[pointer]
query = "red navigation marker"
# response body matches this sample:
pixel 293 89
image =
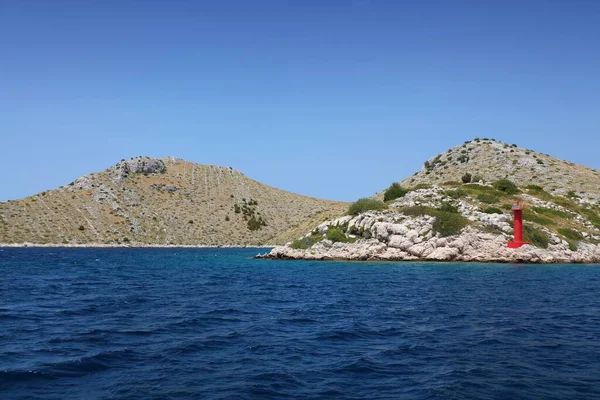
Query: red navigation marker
pixel 518 220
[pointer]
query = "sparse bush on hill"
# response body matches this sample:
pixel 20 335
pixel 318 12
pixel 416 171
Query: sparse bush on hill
pixel 451 183
pixel 466 178
pixel 449 224
pixel 307 241
pixel 572 236
pixel 492 210
pixel 255 223
pixel 416 211
pixel 456 193
pixel 570 233
pixel 506 186
pixel 394 191
pixel 420 186
pixel 448 207
pixel 363 205
pixel 531 216
pixel 592 216
pixel 488 198
pixel 550 212
pixel 336 235
pixel 535 236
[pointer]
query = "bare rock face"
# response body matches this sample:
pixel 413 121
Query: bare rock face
pixel 138 165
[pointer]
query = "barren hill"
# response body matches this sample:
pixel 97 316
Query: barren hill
pixel 161 201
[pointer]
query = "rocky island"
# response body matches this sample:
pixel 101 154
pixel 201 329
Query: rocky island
pixel 458 208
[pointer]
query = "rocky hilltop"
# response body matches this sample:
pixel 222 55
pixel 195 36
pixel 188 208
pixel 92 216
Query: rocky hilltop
pixel 458 207
pixel 164 201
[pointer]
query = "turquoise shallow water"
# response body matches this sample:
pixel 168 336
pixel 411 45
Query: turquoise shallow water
pixel 217 324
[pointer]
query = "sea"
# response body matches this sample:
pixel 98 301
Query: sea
pixel 171 323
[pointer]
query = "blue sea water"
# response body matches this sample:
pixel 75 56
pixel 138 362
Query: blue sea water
pixel 218 324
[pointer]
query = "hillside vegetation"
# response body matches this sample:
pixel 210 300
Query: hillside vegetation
pixel 488 160
pixel 458 207
pixel 162 201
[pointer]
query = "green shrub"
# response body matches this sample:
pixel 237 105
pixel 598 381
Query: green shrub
pixel 477 178
pixel 535 236
pixel 336 235
pixel 448 207
pixel 535 188
pixel 394 191
pixel 506 186
pixel 564 202
pixel 255 223
pixel 552 213
pixel 466 178
pixel 591 216
pixel 539 192
pixel 456 193
pixel 451 183
pixel 363 205
pixel 529 215
pixel 571 236
pixel 420 186
pixel 492 210
pixel 307 241
pixel 488 198
pixel 570 233
pixel 416 211
pixel 449 224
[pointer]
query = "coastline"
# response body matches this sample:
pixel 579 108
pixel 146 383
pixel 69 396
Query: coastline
pixel 131 245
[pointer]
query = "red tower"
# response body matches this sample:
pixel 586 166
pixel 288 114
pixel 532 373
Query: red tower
pixel 518 218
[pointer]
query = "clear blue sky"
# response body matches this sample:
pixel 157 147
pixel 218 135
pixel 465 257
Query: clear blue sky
pixel 333 99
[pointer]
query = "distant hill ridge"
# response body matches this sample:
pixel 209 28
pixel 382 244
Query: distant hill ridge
pixel 162 201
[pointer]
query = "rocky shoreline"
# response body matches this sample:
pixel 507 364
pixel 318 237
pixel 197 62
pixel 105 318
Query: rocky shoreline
pixel 469 247
pixel 396 235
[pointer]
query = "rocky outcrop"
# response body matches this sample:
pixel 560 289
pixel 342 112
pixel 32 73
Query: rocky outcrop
pixel 398 234
pixel 467 247
pixel 138 165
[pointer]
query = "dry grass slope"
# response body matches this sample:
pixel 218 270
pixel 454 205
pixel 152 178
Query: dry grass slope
pixel 162 201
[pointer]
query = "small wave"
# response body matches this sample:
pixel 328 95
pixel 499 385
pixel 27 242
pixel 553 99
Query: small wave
pixel 13 317
pixel 223 311
pixel 300 321
pixel 489 341
pixel 277 379
pixel 135 332
pixel 9 377
pixel 367 366
pixel 357 331
pixel 82 311
pixel 202 322
pixel 68 369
